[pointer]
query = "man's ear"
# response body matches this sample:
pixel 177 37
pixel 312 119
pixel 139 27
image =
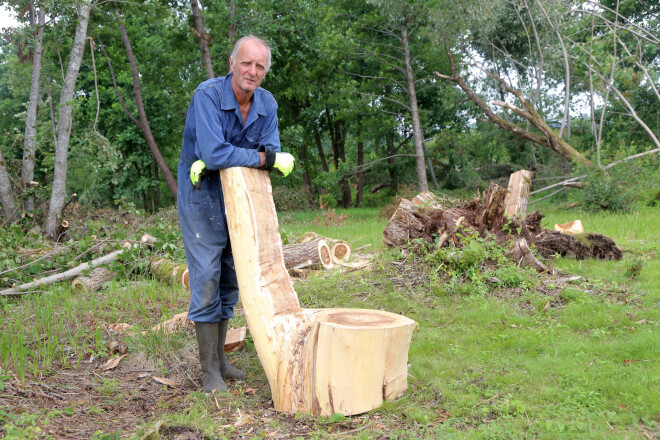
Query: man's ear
pixel 231 64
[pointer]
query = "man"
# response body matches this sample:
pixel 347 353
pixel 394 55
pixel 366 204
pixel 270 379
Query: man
pixel 231 122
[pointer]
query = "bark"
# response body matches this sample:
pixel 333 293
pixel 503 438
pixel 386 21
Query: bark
pixel 92 282
pixel 312 253
pixel 306 353
pixel 418 137
pixel 202 39
pixel 7 194
pixel 360 174
pixel 491 214
pixel 64 122
pixel 142 115
pixel 29 143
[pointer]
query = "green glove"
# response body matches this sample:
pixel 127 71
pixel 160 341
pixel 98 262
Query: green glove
pixel 198 172
pixel 284 163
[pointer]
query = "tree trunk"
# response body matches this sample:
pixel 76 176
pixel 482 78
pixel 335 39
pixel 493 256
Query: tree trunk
pixel 302 155
pixel 144 123
pixel 64 122
pixel 170 272
pixel 317 361
pixel 519 184
pixel 319 148
pixel 418 137
pixel 201 37
pixel 7 193
pixel 359 190
pixel 29 143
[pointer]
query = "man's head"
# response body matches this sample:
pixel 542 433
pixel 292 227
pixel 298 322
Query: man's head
pixel 249 62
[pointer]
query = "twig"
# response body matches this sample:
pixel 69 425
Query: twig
pixel 549 195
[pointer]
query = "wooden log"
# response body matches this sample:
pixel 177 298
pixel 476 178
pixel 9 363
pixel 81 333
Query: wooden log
pixel 93 282
pixel 427 199
pixel 519 184
pixel 571 228
pixel 320 361
pixel 311 253
pixel 170 272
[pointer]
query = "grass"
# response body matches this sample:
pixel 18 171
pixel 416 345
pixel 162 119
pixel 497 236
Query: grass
pixel 535 358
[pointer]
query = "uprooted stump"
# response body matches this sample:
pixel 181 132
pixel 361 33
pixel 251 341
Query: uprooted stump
pixel 429 223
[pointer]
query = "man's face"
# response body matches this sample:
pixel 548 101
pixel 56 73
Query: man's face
pixel 250 67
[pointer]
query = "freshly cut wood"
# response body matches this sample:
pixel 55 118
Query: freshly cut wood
pixel 340 252
pixel 170 272
pixel 571 228
pixel 321 361
pixel 92 282
pixel 71 273
pixel 175 324
pixel 519 184
pixel 311 253
pixel 235 339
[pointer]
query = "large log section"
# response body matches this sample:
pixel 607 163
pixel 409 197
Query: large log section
pixel 321 361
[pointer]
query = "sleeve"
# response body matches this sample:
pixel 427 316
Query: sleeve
pixel 270 134
pixel 211 145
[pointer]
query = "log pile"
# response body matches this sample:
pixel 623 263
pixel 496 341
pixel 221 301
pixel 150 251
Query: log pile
pixel 423 220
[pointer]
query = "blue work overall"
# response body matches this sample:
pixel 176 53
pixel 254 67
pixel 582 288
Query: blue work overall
pixel 214 132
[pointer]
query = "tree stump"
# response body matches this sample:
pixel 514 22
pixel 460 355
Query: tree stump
pixel 319 361
pixel 491 215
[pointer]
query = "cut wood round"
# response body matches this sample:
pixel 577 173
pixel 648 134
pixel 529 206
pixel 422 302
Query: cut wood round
pixel 340 251
pixel 311 253
pixel 323 361
pixel 93 282
pixel 170 272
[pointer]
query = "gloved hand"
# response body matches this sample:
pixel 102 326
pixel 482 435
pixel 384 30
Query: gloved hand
pixel 198 172
pixel 284 163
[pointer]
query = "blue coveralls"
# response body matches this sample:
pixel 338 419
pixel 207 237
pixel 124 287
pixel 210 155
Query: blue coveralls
pixel 214 133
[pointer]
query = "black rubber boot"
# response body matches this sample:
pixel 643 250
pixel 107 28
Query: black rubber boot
pixel 227 370
pixel 207 341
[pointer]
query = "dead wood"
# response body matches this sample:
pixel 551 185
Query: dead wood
pixel 92 282
pixel 519 184
pixel 64 276
pixel 413 223
pixel 170 272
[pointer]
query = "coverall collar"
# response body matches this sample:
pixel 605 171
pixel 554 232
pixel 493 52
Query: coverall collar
pixel 229 102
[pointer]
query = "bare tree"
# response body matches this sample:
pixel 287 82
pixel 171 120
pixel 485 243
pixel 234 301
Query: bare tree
pixel 64 122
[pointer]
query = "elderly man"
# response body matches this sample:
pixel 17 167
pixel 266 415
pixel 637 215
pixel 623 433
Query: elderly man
pixel 231 122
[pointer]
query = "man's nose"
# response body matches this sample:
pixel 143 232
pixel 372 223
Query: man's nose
pixel 252 70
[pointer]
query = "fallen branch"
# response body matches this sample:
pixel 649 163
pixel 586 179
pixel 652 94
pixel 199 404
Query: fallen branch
pixel 69 274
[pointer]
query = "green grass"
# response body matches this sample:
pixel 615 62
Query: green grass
pixel 486 361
